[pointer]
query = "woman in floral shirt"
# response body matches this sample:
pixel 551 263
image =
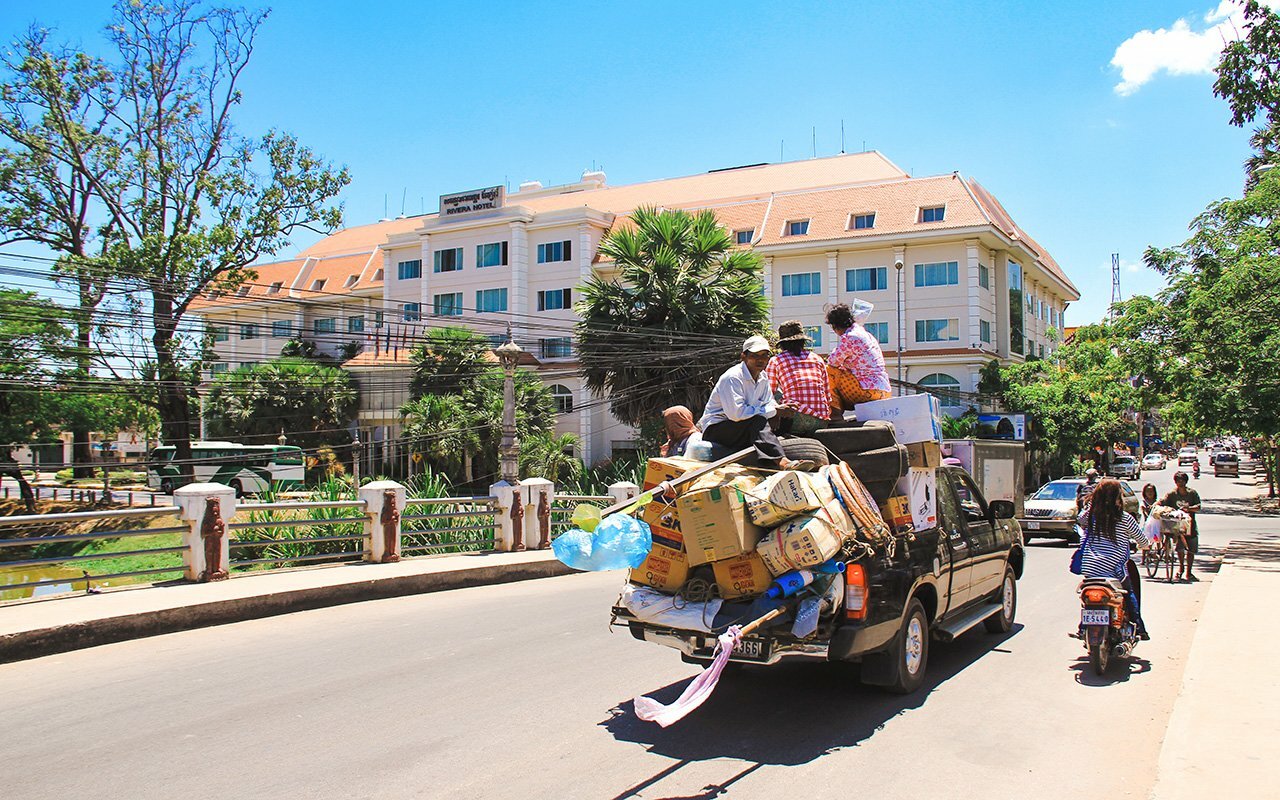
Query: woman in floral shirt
pixel 856 365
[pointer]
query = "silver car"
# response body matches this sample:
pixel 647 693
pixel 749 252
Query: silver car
pixel 1050 513
pixel 1125 467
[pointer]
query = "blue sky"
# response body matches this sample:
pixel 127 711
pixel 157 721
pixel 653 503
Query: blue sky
pixel 425 98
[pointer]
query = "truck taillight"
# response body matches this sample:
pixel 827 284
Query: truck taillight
pixel 855 592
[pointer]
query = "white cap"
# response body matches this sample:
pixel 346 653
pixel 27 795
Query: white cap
pixel 756 344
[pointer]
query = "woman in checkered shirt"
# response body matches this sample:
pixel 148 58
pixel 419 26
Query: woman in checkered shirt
pixel 801 376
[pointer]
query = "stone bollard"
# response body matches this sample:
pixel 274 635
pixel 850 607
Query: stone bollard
pixel 206 508
pixel 539 494
pixel 508 529
pixel 623 490
pixel 384 502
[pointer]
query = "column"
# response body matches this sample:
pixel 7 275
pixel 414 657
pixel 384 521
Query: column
pixel 424 288
pixel 518 258
pixel 539 495
pixel 384 502
pixel 974 292
pixel 206 508
pixel 833 276
pixel 766 277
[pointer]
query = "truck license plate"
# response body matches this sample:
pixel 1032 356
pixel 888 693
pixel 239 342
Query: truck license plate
pixel 751 648
pixel 1090 616
pixel 1032 525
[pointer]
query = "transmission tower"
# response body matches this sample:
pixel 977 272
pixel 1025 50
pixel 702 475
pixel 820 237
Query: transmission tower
pixel 1115 285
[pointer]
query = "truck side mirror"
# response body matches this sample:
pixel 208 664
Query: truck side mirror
pixel 1001 509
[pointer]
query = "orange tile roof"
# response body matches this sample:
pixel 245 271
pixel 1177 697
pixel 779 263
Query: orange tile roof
pixel 1001 218
pixel 337 270
pixel 361 238
pixel 256 288
pixel 403 357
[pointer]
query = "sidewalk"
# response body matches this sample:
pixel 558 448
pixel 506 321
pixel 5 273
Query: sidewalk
pixel 1225 723
pixel 42 627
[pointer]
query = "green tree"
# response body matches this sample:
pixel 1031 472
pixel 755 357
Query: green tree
pixel 673 319
pixel 448 360
pixel 550 456
pixel 1249 80
pixel 185 202
pixel 315 403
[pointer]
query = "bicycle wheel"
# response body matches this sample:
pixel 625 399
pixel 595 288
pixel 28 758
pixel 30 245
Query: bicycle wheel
pixel 1151 560
pixel 1168 560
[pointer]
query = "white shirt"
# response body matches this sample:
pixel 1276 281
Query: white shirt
pixel 737 397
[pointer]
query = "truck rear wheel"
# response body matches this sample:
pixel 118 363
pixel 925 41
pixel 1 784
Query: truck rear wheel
pixel 911 651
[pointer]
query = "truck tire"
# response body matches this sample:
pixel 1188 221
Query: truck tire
pixel 911 651
pixel 798 448
pixel 857 437
pixel 1007 597
pixel 879 465
pixel 881 491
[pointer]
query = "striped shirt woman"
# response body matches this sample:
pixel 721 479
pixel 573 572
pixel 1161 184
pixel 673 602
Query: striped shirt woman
pixel 1104 557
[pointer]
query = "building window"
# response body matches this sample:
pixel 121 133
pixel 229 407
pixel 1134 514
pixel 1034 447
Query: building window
pixel 862 222
pixel 243 291
pixel 408 270
pixel 744 236
pixel 563 398
pixel 351 281
pixel 945 387
pixel 318 284
pixel 801 283
pixel 282 329
pixel 868 279
pixel 247 365
pixel 491 255
pixel 447 305
pixel 942 273
pixel 497 340
pixel 815 335
pixel 491 300
pixel 933 214
pixel 984 276
pixel 555 299
pixel 378 318
pixel 378 275
pixel 355 324
pixel 1015 307
pixel 549 252
pixel 218 367
pixel 1053 316
pixel 220 333
pixel 880 330
pixel 412 312
pixel 448 260
pixel 249 331
pixel 798 227
pixel 1031 347
pixel 984 328
pixel 274 288
pixel 559 347
pixel 937 330
pixel 1041 347
pixel 325 325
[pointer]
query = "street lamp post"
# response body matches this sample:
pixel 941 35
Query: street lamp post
pixel 509 448
pixel 901 332
pixel 355 459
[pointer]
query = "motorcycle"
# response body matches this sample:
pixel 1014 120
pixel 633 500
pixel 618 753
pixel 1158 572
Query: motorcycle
pixel 1195 468
pixel 1106 629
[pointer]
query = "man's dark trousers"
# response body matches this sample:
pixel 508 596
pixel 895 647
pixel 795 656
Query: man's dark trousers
pixel 750 432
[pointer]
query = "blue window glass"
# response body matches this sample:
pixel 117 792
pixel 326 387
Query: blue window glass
pixel 937 330
pixel 447 305
pixel 864 221
pixel 220 334
pixel 248 331
pixel 218 367
pixel 555 251
pixel 355 324
pixel 406 270
pixel 491 255
pixel 799 227
pixel 491 300
pixel 815 335
pixel 985 330
pixel 281 329
pixel 984 276
pixel 448 260
pixel 880 330
pixel 801 283
pixel 412 312
pixel 944 387
pixel 744 236
pixel 868 279
pixel 324 325
pixel 933 214
pixel 559 347
pixel 942 273
pixel 555 299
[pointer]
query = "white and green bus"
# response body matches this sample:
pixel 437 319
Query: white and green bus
pixel 247 468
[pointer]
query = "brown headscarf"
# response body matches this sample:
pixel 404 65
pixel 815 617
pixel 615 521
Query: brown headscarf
pixel 679 424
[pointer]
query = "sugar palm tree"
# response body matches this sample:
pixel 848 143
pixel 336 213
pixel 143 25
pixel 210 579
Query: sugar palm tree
pixel 550 456
pixel 683 299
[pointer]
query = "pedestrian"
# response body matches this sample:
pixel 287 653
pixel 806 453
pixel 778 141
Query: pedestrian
pixel 800 375
pixel 1149 500
pixel 681 432
pixel 1110 536
pixel 1085 489
pixel 1186 499
pixel 856 364
pixel 740 407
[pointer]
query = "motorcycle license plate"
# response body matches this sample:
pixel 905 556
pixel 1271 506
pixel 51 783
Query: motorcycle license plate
pixel 1091 616
pixel 1032 525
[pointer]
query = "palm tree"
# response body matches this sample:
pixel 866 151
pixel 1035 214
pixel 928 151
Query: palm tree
pixel 673 319
pixel 444 430
pixel 314 402
pixel 448 361
pixel 550 456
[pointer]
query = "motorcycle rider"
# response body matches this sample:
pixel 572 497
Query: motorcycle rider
pixel 1110 534
pixel 1195 467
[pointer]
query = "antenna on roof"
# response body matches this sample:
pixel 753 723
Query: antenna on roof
pixel 864 145
pixel 815 141
pixel 385 217
pixel 422 204
pixel 842 137
pixel 781 149
pixel 403 196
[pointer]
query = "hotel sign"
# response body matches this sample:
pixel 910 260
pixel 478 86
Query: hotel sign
pixel 490 199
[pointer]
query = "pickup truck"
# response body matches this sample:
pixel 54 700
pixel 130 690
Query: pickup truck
pixel 936 584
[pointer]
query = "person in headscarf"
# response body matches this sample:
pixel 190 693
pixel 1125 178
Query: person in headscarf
pixel 856 364
pixel 681 431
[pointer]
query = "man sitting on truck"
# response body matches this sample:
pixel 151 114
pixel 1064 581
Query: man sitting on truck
pixel 801 376
pixel 741 405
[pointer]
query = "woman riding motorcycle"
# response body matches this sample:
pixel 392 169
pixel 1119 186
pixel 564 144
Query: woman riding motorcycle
pixel 1109 537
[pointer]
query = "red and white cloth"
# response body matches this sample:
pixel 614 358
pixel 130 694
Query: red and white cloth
pixel 803 382
pixel 858 353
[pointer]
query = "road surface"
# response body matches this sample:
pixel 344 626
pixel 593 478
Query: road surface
pixel 522 691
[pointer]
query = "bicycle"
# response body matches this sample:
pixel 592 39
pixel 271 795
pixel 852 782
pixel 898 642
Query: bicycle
pixel 1162 554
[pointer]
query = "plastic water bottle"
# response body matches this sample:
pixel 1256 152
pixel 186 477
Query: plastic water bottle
pixel 789 583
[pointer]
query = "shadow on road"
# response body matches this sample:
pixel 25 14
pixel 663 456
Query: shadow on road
pixel 1236 507
pixel 790 713
pixel 1118 671
pixel 1259 554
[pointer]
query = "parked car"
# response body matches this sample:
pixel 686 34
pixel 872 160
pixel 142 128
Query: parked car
pixel 1154 461
pixel 1051 511
pixel 1125 467
pixel 1226 465
pixel 1187 456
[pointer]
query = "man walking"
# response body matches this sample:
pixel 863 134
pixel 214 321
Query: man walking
pixel 1188 500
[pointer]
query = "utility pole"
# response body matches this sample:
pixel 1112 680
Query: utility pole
pixel 901 327
pixel 355 459
pixel 509 448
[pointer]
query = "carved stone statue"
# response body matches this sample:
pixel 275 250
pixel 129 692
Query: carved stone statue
pixel 390 520
pixel 544 521
pixel 517 521
pixel 212 531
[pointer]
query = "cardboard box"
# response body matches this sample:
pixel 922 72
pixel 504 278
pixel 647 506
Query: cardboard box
pixel 663 520
pixel 715 524
pixel 924 455
pixel 802 542
pixel 743 477
pixel 666 569
pixel 665 469
pixel 897 513
pixel 921 488
pixel 915 417
pixel 783 496
pixel 742 576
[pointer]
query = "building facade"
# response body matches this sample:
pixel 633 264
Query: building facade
pixel 955 282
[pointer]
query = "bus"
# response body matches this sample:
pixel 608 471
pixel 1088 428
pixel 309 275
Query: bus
pixel 247 468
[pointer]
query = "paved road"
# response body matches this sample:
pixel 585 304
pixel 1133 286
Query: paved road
pixel 520 691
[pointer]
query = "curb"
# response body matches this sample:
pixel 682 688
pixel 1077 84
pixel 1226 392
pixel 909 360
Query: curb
pixel 25 645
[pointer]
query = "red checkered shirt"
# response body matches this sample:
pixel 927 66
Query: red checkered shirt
pixel 802 381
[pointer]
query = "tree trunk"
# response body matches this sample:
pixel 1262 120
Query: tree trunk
pixel 10 467
pixel 1272 464
pixel 90 295
pixel 173 401
pixel 81 453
